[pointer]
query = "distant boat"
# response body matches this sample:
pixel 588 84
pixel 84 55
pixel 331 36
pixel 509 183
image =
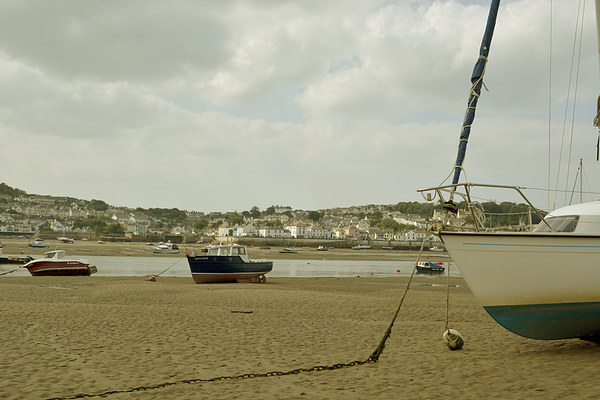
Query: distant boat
pixel 38 243
pixel 13 259
pixel 54 263
pixel 361 247
pixel 227 263
pixel 322 248
pixel 430 267
pixel 166 248
pixel 288 250
pixel 435 249
pixel 65 239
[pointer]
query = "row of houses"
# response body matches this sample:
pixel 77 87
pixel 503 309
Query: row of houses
pixel 317 232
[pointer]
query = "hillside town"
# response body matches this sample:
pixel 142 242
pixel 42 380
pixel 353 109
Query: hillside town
pixel 40 215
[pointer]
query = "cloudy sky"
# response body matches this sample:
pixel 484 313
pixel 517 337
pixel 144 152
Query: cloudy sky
pixel 222 106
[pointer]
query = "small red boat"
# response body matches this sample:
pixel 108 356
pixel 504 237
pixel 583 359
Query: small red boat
pixel 53 263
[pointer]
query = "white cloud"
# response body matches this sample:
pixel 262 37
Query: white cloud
pixel 222 106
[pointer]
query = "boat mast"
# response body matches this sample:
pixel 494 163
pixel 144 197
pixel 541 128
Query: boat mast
pixel 477 82
pixel 597 119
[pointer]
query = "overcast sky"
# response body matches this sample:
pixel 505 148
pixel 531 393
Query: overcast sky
pixel 222 106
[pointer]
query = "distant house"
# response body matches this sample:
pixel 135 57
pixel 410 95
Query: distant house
pixel 352 232
pixel 297 231
pixel 273 232
pixel 415 235
pixel 247 230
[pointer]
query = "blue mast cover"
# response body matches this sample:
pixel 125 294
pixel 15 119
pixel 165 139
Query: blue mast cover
pixel 477 82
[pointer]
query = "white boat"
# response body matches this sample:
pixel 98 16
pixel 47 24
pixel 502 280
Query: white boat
pixel 361 247
pixel 435 249
pixel 288 250
pixel 541 284
pixel 166 248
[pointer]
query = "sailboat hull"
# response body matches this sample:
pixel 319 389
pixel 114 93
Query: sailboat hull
pixel 537 285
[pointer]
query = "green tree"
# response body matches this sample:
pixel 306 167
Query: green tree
pixel 314 215
pixel 235 220
pixel 388 223
pixel 200 225
pixel 98 205
pixel 269 211
pixel 255 212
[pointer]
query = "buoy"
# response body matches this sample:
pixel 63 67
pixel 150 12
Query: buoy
pixel 397 270
pixel 453 339
pixel 371 274
pixel 152 278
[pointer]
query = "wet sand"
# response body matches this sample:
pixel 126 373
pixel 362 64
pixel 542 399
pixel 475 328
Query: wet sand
pixel 64 336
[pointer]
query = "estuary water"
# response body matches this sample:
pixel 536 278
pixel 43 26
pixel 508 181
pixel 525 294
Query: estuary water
pixel 178 267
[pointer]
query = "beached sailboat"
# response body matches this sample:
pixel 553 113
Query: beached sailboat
pixel 543 284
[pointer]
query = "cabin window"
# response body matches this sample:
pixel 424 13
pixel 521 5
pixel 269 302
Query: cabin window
pixel 566 223
pixel 213 251
pixel 242 251
pixel 235 251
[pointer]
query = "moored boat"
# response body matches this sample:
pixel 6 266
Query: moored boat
pixel 38 243
pixel 13 259
pixel 227 263
pixel 54 263
pixel 288 250
pixel 430 267
pixel 166 248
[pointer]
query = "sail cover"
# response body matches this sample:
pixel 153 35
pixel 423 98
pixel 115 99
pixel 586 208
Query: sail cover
pixel 477 82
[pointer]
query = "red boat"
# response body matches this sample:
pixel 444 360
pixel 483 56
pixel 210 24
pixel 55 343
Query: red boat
pixel 53 263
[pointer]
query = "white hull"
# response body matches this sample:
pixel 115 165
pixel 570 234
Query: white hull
pixel 517 277
pixel 527 268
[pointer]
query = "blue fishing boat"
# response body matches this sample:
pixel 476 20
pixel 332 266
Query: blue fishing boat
pixel 430 267
pixel 227 263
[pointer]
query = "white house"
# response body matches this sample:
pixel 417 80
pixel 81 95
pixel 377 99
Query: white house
pixel 298 231
pixel 273 232
pixel 415 236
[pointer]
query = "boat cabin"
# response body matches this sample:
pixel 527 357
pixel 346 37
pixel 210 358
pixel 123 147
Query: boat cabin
pixel 54 254
pixel 228 250
pixel 579 218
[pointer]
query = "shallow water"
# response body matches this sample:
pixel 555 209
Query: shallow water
pixel 178 267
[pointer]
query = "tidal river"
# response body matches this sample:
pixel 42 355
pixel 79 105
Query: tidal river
pixel 178 267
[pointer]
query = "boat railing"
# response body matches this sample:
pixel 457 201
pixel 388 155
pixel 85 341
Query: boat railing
pixel 447 193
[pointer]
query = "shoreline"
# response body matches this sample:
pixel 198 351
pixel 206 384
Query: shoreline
pixel 138 249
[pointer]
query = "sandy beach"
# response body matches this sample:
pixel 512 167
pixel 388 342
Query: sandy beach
pixel 64 337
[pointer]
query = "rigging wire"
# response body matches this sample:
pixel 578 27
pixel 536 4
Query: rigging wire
pixel 575 99
pixel 550 105
pixel 567 101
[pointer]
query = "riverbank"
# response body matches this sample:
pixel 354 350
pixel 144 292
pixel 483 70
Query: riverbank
pixel 69 336
pixel 137 249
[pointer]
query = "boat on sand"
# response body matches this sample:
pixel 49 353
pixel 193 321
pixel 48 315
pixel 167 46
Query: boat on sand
pixel 54 263
pixel 540 284
pixel 227 263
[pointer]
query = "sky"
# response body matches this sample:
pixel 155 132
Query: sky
pixel 223 106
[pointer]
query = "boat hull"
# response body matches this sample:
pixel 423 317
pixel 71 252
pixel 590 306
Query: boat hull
pixel 15 259
pixel 537 285
pixel 67 268
pixel 215 269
